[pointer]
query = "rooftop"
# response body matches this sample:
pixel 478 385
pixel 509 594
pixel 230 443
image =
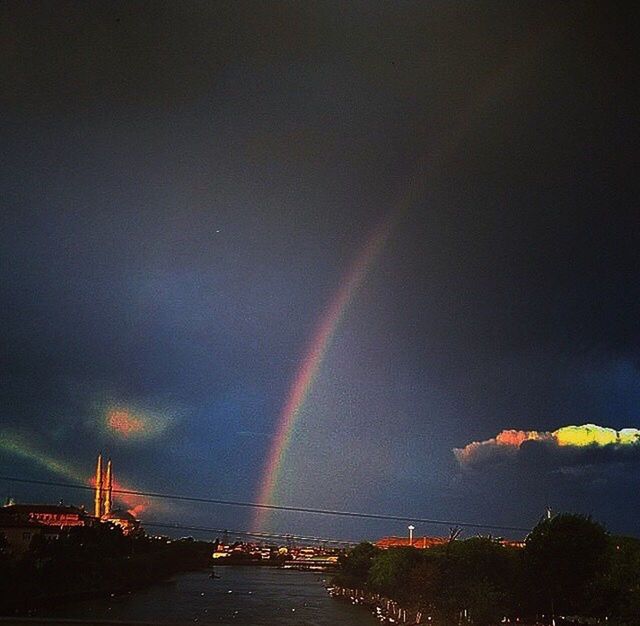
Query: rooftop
pixel 60 509
pixel 120 514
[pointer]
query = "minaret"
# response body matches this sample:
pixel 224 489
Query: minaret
pixel 107 490
pixel 97 510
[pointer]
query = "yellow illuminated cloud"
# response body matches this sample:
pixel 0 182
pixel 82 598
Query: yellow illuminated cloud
pixel 629 435
pixel 508 442
pixel 586 435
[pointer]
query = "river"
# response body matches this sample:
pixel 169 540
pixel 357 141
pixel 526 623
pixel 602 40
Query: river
pixel 242 595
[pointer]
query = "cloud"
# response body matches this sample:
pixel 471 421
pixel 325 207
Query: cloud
pixel 569 444
pixel 131 422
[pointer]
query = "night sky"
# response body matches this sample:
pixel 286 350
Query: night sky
pixel 186 187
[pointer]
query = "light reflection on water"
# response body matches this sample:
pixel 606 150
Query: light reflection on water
pixel 242 595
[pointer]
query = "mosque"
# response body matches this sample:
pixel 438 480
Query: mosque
pixel 103 490
pixel 20 522
pixel 103 500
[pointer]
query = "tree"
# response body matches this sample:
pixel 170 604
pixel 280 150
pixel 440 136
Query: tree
pixel 392 570
pixel 563 557
pixel 355 565
pixel 619 584
pixel 478 575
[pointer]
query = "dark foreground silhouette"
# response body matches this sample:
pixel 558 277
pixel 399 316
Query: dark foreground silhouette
pixel 89 561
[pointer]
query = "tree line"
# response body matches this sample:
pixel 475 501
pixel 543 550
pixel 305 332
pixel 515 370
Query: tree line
pixel 570 568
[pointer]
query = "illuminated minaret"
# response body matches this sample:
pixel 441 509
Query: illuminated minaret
pixel 97 510
pixel 107 490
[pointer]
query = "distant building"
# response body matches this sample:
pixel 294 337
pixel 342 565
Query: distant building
pixel 19 532
pixel 266 552
pixel 52 515
pixel 221 553
pixel 429 542
pixel 127 522
pixel 418 542
pixel 306 553
pixel 319 563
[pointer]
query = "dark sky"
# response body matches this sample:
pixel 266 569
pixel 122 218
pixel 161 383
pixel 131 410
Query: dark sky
pixel 185 185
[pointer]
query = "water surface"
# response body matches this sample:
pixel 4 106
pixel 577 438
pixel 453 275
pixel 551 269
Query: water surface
pixel 241 596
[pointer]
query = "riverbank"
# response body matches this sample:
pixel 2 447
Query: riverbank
pixel 387 611
pixel 568 566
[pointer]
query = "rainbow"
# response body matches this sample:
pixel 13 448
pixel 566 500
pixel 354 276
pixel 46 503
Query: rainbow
pixel 441 151
pixel 310 366
pixel 327 327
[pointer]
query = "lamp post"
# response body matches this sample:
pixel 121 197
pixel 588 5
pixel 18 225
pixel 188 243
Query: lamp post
pixel 411 529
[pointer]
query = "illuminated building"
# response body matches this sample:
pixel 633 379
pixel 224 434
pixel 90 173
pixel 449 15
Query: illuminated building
pixel 429 542
pixel 418 542
pixel 103 500
pixel 56 515
pixel 127 522
pixel 103 489
pixel 97 502
pixel 22 521
pixel 19 532
pixel 107 493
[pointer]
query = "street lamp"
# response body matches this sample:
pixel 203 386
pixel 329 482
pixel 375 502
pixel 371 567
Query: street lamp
pixel 411 529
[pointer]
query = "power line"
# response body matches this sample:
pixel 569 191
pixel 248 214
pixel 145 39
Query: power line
pixel 272 507
pixel 244 533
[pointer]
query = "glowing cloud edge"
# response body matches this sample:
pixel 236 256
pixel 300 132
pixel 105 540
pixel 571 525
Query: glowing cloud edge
pixel 575 436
